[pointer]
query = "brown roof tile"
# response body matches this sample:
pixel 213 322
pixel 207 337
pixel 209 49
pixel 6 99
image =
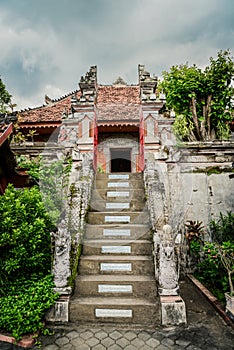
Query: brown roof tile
pixel 118 103
pixel 47 113
pixel 118 112
pixel 113 103
pixel 118 94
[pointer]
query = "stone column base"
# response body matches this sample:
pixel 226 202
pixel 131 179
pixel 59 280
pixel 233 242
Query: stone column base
pixel 173 310
pixel 60 311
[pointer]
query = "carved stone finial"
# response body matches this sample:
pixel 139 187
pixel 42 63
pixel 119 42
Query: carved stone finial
pixel 48 100
pixel 120 81
pixel 147 84
pixel 88 86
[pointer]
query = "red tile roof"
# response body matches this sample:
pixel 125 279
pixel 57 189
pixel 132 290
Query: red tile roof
pixel 51 113
pixel 118 94
pixel 113 103
pixel 118 112
pixel 118 103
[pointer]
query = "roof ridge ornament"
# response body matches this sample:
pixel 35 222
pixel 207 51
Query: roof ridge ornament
pixel 88 86
pixel 147 84
pixel 120 82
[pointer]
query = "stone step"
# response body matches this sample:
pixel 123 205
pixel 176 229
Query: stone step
pixel 116 264
pixel 118 184
pixel 116 285
pixel 117 205
pixel 116 310
pixel 100 247
pixel 123 194
pixel 110 231
pixel 119 176
pixel 99 218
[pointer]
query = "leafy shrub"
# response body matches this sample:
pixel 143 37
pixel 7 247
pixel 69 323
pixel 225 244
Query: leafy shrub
pixel 31 165
pixel 26 287
pixel 212 273
pixel 194 237
pixel 222 230
pixel 24 304
pixel 24 233
pixel 217 268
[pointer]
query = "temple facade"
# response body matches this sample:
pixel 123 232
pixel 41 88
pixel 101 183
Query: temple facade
pixel 117 125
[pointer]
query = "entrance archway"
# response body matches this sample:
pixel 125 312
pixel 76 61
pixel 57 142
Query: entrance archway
pixel 121 160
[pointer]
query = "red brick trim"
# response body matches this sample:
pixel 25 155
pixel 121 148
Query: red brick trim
pixel 26 341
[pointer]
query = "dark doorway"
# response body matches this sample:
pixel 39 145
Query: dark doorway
pixel 121 161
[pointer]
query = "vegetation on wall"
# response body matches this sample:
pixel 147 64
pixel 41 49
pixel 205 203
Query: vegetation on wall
pixel 201 99
pixel 52 179
pixel 25 281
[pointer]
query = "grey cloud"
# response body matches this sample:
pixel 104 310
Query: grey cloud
pixel 49 44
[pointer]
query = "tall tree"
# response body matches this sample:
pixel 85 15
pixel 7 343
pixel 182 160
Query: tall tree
pixel 201 99
pixel 5 98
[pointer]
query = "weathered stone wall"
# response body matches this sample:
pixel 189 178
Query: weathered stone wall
pixel 198 180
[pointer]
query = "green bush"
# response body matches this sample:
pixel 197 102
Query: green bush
pixel 31 165
pixel 212 271
pixel 222 230
pixel 24 233
pixel 26 287
pixel 24 303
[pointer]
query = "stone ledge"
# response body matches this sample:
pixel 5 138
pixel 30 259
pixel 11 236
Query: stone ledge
pixel 212 299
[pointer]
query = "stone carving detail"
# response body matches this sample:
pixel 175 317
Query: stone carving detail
pixel 67 135
pixel 61 265
pixel 63 135
pixel 167 261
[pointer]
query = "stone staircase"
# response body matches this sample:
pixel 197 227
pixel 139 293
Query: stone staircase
pixel 116 280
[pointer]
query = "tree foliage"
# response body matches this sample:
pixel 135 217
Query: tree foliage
pixel 5 98
pixel 201 99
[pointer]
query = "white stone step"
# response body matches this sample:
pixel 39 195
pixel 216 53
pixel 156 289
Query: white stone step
pixel 118 184
pixel 117 246
pixel 114 218
pixel 116 285
pixel 118 194
pixel 118 176
pixel 120 310
pixel 116 232
pixel 116 249
pixel 116 264
pixel 116 205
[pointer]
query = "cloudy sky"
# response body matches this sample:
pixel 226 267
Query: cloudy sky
pixel 46 45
